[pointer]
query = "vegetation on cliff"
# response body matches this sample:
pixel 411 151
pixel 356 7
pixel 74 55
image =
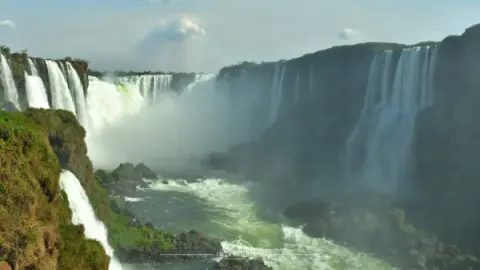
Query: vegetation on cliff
pixel 35 231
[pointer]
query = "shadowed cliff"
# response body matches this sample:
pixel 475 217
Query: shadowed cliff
pixel 302 153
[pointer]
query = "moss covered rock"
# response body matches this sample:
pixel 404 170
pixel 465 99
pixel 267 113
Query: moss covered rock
pixel 35 231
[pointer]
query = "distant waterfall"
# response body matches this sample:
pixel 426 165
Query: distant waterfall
pixel 150 86
pixel 10 90
pixel 82 213
pixel 296 92
pixel 378 149
pixel 276 92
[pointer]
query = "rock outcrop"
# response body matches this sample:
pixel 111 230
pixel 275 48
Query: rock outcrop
pixel 125 178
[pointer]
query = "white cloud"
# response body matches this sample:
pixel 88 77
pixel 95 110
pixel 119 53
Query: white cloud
pixel 176 40
pixel 348 33
pixel 7 23
pixel 172 30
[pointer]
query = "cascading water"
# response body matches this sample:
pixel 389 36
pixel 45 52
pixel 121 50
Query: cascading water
pixel 82 213
pixel 36 92
pixel 233 217
pixel 80 103
pixel 10 90
pixel 379 147
pixel 150 86
pixel 35 88
pixel 107 102
pixel 32 67
pixel 297 88
pixel 276 93
pixel 61 96
pixel 310 79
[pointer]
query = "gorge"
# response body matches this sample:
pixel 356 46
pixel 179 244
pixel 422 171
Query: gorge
pixel 378 126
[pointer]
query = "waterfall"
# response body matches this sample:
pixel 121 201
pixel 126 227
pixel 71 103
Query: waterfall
pixel 9 89
pixel 378 149
pixel 80 103
pixel 276 93
pixel 150 86
pixel 310 80
pixel 32 67
pixel 35 89
pixel 107 102
pixel 36 92
pixel 297 88
pixel 82 213
pixel 61 96
pixel 199 120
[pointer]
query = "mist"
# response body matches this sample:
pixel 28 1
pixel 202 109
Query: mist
pixel 177 128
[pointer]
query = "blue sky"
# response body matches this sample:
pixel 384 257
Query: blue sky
pixel 204 35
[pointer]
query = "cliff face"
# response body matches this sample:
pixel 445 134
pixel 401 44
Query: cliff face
pixel 319 111
pixel 322 98
pixel 36 232
pixel 19 66
pixel 447 145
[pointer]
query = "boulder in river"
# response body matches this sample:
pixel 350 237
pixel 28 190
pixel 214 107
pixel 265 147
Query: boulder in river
pixel 126 177
pixel 240 263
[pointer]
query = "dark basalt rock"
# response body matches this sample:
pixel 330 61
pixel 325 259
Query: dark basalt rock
pixel 239 263
pixel 216 161
pixel 187 246
pixel 382 231
pixel 125 178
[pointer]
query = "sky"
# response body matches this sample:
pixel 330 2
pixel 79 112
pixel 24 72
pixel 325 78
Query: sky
pixel 204 35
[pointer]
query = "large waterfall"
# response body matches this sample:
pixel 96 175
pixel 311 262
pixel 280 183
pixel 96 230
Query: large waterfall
pixel 378 149
pixel 82 213
pixel 61 95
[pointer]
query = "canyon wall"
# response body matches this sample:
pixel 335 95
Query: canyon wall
pixel 323 97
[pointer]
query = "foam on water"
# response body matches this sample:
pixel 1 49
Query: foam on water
pixel 281 246
pixel 130 199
